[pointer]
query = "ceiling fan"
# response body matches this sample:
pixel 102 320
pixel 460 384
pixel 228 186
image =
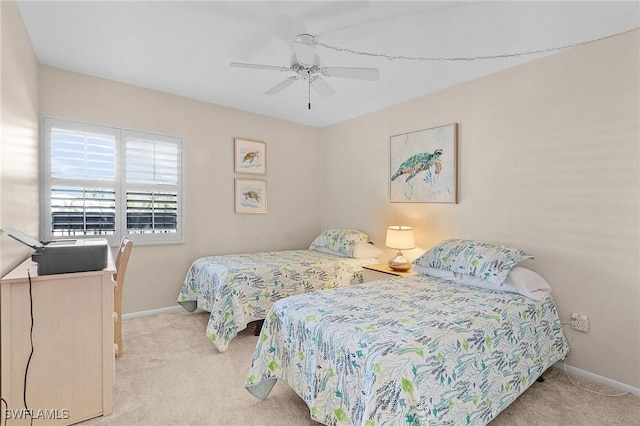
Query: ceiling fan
pixel 306 66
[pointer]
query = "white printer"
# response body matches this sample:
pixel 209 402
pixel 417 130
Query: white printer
pixel 65 256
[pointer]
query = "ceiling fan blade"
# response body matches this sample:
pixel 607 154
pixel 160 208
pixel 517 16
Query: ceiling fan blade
pixel 322 87
pixel 347 72
pixel 281 86
pixel 305 53
pixel 259 67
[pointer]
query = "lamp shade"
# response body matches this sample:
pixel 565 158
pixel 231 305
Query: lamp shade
pixel 400 237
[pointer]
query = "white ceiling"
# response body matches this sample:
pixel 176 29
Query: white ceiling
pixel 185 47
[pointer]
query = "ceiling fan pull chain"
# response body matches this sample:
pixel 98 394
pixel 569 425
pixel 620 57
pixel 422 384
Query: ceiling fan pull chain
pixel 309 75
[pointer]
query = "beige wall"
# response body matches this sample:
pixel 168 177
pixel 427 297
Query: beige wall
pixel 156 273
pixel 19 155
pixel 548 158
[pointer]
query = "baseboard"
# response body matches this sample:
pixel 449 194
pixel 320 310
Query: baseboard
pixel 151 312
pixel 596 378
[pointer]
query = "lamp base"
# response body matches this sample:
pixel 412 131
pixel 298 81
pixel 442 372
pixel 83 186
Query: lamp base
pixel 399 263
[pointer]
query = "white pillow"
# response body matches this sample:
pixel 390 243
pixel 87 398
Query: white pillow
pixel 527 282
pixel 519 280
pixel 364 250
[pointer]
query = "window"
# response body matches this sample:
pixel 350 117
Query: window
pixel 106 182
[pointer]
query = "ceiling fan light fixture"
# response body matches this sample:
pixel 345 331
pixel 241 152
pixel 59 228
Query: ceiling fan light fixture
pixel 306 39
pixel 304 49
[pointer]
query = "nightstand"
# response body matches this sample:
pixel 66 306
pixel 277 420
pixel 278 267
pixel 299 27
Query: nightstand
pixel 381 271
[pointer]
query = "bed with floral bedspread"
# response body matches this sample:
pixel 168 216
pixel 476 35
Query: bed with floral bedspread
pixel 417 350
pixel 240 288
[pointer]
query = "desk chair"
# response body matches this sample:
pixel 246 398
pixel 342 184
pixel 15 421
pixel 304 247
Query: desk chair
pixel 122 259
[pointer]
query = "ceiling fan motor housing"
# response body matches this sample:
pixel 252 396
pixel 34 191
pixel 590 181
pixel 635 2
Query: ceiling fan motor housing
pixel 305 72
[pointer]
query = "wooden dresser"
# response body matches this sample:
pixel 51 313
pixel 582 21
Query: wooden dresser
pixel 71 372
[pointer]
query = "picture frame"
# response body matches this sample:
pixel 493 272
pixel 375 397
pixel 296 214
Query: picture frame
pixel 250 195
pixel 250 156
pixel 423 166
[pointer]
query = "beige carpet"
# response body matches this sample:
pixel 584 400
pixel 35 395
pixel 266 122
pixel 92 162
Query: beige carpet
pixel 171 375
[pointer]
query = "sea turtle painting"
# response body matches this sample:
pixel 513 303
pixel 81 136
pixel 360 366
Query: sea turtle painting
pixel 418 163
pixel 250 156
pixel 251 196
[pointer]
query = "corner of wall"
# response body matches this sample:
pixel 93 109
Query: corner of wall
pixel 19 137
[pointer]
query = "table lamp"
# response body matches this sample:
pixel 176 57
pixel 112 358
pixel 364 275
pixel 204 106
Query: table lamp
pixel 400 238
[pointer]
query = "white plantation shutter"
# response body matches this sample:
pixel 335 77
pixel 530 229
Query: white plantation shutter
pixel 80 164
pixel 81 211
pixel 152 161
pixel 77 154
pixel 102 181
pixel 153 170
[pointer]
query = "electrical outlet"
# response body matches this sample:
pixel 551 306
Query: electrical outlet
pixel 580 322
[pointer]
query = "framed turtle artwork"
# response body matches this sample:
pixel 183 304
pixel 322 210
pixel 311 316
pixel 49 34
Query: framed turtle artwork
pixel 250 156
pixel 423 166
pixel 250 195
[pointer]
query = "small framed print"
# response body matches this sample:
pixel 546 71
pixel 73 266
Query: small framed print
pixel 250 195
pixel 250 156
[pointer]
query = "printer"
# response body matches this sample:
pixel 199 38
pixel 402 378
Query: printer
pixel 65 256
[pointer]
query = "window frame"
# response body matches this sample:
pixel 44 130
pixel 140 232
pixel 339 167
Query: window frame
pixel 119 185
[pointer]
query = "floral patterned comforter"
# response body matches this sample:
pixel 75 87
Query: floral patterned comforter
pixel 416 350
pixel 239 288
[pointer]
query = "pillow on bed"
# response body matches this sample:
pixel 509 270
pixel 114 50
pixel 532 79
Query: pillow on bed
pixel 364 250
pixel 527 282
pixel 488 261
pixel 519 280
pixel 341 242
